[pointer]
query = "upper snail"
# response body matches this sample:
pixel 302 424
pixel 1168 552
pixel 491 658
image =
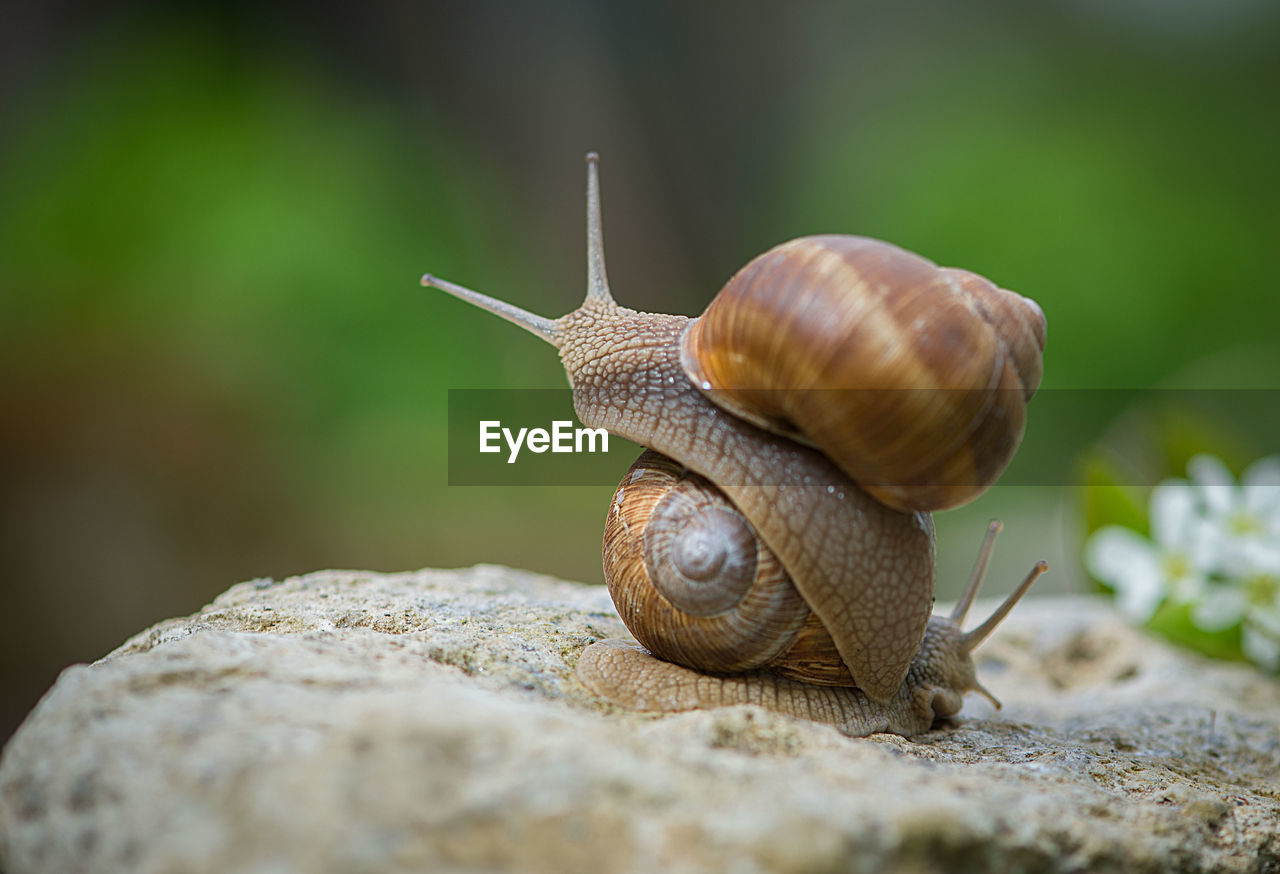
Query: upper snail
pixel 852 368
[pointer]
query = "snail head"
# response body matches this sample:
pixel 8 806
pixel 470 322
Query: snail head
pixel 944 663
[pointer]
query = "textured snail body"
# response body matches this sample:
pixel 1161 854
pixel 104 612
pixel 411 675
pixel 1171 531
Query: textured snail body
pixel 626 375
pixel 745 550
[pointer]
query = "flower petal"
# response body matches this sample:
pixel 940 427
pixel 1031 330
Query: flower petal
pixel 1260 648
pixel 1219 608
pixel 1264 471
pixel 1206 546
pixel 1215 484
pixel 1173 511
pixel 1267 619
pixel 1262 487
pixel 1208 470
pixel 1129 563
pixel 1113 552
pixel 1257 558
pixel 1139 597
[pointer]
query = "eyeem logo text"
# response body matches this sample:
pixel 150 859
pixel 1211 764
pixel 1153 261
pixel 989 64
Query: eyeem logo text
pixel 562 437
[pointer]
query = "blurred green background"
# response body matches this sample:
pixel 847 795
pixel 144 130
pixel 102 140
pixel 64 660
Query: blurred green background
pixel 217 362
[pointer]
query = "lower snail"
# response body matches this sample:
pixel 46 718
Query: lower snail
pixel 774 544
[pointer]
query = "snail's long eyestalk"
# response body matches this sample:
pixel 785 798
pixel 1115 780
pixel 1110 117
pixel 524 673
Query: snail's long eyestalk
pixel 973 639
pixel 547 329
pixel 979 571
pixel 597 280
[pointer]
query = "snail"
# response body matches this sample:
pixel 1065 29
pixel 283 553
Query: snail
pixel 774 544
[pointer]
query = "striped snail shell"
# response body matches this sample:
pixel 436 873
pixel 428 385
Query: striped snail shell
pixel 694 583
pixel 912 378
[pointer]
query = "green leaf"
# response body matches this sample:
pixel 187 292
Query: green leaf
pixel 1174 622
pixel 1109 500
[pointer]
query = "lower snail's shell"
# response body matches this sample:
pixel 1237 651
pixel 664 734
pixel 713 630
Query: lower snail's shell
pixel 695 585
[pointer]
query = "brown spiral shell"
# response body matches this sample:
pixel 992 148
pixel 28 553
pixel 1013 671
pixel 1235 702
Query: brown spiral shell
pixel 910 377
pixel 695 585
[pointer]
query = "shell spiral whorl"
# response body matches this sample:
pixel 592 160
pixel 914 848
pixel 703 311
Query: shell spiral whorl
pixel 720 600
pixel 702 559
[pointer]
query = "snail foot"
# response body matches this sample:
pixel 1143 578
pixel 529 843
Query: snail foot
pixel 626 674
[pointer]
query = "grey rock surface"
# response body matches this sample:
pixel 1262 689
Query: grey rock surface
pixel 431 721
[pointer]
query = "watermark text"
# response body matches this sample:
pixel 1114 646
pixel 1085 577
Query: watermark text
pixel 562 437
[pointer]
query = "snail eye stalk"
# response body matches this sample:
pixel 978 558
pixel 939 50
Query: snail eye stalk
pixel 547 329
pixel 551 330
pixel 973 639
pixel 979 571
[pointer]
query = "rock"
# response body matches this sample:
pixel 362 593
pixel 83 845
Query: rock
pixel 348 721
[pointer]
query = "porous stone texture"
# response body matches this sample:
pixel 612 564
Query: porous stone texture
pixel 431 721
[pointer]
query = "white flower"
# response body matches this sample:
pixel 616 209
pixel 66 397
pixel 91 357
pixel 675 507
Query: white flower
pixel 1245 518
pixel 1143 572
pixel 1223 603
pixel 1215 546
pixel 1245 521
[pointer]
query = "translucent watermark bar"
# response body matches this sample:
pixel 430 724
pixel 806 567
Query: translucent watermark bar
pixel 529 437
pixel 533 436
